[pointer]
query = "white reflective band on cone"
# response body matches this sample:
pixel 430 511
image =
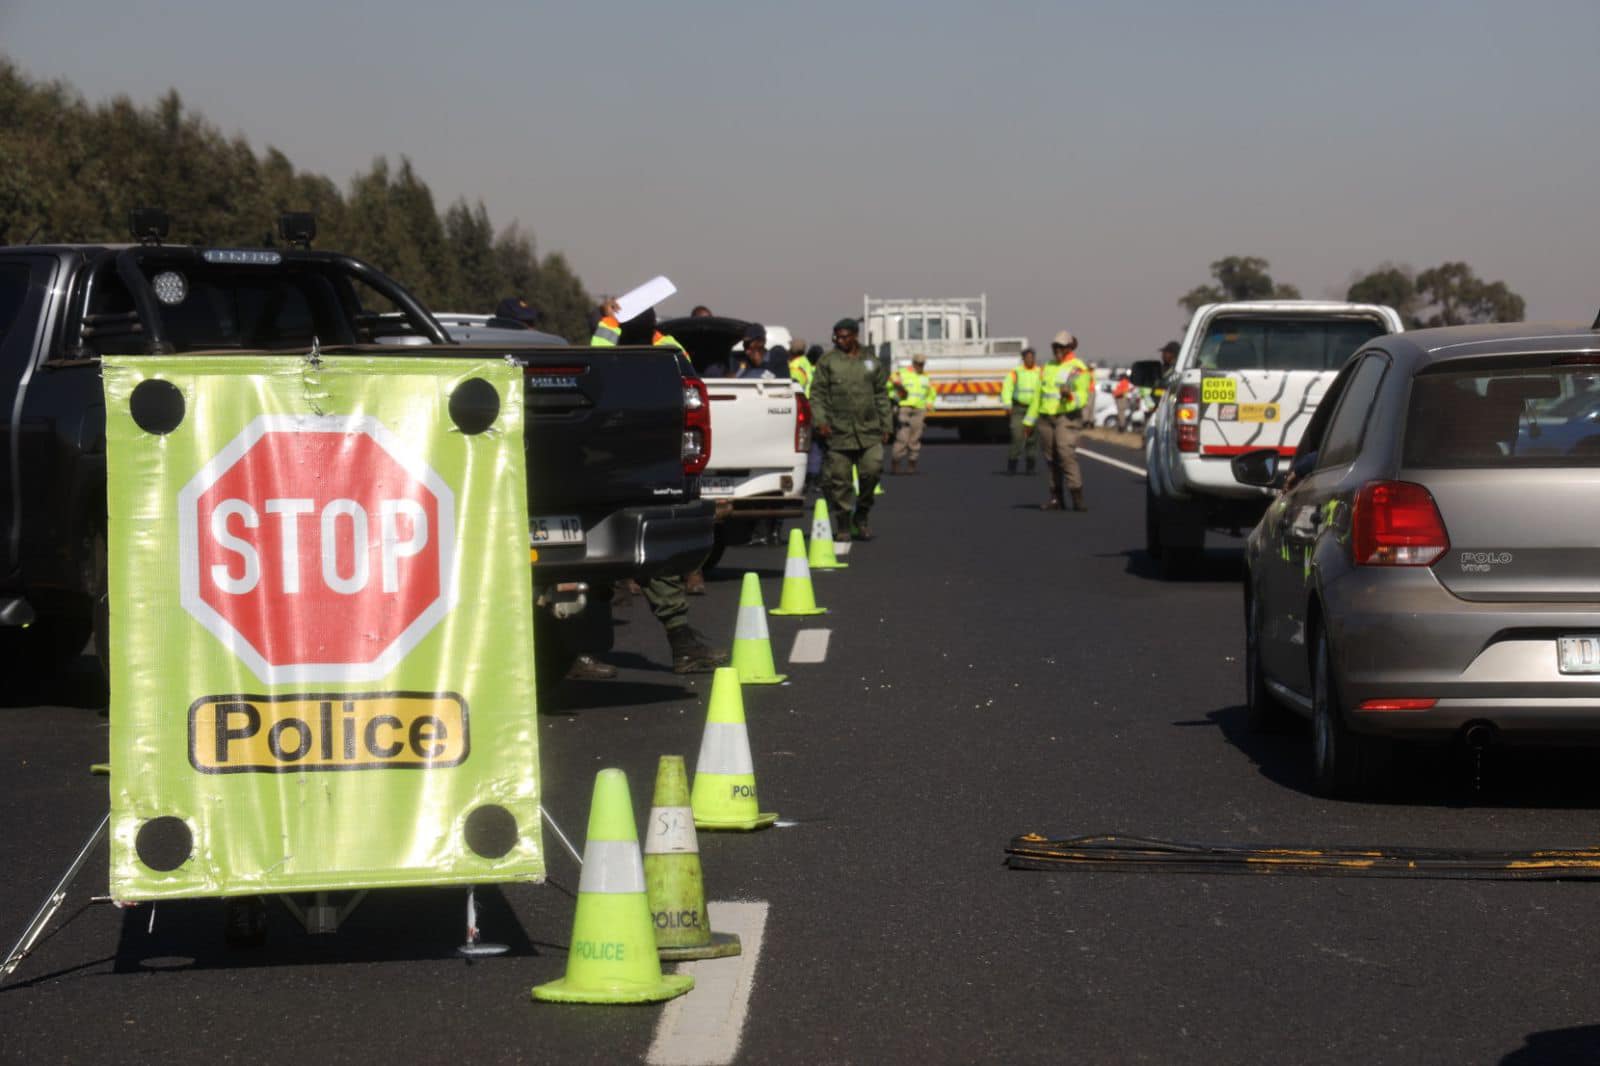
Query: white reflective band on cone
pixel 725 749
pixel 796 566
pixel 612 867
pixel 671 832
pixel 752 624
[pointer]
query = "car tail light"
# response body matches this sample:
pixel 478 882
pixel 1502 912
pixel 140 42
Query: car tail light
pixel 802 423
pixel 1396 523
pixel 696 426
pixel 1188 414
pixel 1398 705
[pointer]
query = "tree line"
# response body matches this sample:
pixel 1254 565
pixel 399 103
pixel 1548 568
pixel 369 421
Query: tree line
pixel 1450 294
pixel 71 171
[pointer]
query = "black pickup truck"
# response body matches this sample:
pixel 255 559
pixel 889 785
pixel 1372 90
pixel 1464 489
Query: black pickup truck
pixel 616 438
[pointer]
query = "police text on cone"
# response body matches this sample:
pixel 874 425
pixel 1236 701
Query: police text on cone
pixel 724 795
pixel 613 954
pixel 672 872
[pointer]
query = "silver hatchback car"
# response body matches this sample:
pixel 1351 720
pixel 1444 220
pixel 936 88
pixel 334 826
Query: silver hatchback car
pixel 1430 567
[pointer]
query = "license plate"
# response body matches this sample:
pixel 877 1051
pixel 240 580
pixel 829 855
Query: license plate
pixel 957 399
pixel 555 529
pixel 1578 655
pixel 716 486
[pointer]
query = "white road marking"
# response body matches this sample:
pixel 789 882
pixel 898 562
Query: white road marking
pixel 810 646
pixel 703 1028
pixel 1118 463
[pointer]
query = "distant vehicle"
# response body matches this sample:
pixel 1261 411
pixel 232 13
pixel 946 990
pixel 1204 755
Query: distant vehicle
pixel 1432 569
pixel 616 439
pixel 966 364
pixel 1248 375
pixel 761 429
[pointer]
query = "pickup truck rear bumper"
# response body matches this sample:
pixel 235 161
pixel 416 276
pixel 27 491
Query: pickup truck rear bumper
pixel 764 507
pixel 632 542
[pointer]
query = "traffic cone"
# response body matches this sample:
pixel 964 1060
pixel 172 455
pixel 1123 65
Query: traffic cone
pixel 822 556
pixel 672 872
pixel 724 795
pixel 613 955
pixel 752 648
pixel 798 597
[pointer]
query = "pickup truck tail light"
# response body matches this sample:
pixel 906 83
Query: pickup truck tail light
pixel 696 426
pixel 1396 523
pixel 802 423
pixel 1188 414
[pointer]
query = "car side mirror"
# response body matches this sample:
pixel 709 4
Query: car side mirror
pixel 1145 374
pixel 1263 468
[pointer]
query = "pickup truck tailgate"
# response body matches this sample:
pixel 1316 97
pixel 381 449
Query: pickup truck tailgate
pixel 752 423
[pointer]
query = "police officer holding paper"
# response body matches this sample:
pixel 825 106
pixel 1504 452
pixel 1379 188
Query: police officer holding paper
pixel 1057 414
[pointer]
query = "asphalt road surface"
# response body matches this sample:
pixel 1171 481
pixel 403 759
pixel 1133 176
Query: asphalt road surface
pixel 991 670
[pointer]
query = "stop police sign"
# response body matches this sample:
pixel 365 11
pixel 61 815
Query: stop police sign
pixel 317 548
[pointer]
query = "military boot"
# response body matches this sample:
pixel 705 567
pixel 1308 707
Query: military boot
pixel 1077 501
pixel 691 654
pixel 1033 465
pixel 913 467
pixel 1011 467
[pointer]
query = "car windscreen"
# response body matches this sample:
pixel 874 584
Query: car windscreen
pixel 1233 342
pixel 1516 416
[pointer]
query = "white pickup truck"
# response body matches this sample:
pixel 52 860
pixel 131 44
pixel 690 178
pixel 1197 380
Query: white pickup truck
pixel 760 430
pixel 1249 375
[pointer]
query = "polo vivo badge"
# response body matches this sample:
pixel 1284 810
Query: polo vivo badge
pixel 311 687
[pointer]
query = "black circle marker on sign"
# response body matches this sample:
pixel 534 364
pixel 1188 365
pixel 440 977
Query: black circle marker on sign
pixel 474 405
pixel 156 406
pixel 164 843
pixel 491 831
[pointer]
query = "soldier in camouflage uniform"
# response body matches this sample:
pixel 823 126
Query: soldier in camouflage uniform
pixel 854 419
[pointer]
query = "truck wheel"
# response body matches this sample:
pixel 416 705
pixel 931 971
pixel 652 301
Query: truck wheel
pixel 1345 764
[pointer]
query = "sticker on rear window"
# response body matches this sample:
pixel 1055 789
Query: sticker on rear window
pixel 1219 390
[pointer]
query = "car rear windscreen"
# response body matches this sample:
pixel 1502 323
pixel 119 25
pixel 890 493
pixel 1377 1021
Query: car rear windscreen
pixel 1301 343
pixel 1505 417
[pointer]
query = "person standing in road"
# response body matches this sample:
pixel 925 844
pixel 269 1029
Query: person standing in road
pixel 1169 359
pixel 1017 393
pixel 914 390
pixel 850 408
pixel 668 595
pixel 1057 412
pixel 808 365
pixel 753 364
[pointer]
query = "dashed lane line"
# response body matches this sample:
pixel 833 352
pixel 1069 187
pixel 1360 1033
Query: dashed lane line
pixel 704 1027
pixel 810 646
pixel 1118 463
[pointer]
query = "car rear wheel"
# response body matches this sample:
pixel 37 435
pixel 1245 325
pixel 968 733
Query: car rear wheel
pixel 1345 764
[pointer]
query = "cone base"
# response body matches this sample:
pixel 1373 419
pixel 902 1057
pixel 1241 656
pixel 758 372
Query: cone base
pixel 829 566
pixel 813 610
pixel 769 679
pixel 760 821
pixel 671 986
pixel 722 946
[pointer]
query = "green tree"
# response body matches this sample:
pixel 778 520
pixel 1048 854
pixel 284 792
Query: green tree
pixel 1238 277
pixel 1452 295
pixel 1391 284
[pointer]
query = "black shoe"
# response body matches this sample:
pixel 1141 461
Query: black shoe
pixel 588 668
pixel 1011 467
pixel 859 527
pixel 691 654
pixel 1032 466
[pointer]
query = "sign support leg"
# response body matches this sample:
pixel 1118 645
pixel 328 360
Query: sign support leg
pixel 52 902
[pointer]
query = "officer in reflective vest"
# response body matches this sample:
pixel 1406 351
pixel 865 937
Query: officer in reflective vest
pixel 1057 412
pixel 800 366
pixel 1017 394
pixel 914 390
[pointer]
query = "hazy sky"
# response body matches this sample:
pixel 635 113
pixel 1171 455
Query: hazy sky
pixel 1081 163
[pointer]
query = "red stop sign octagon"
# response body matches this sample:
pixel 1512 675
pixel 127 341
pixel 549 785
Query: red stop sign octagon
pixel 317 548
